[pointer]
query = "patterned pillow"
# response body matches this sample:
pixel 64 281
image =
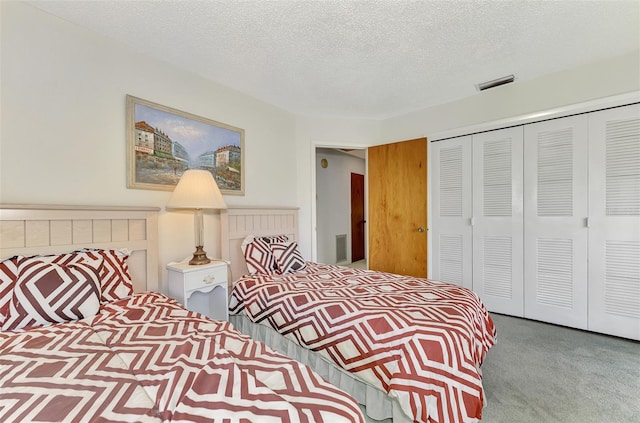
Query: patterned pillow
pixel 287 256
pixel 115 281
pixel 257 255
pixel 275 238
pixel 8 277
pixel 46 293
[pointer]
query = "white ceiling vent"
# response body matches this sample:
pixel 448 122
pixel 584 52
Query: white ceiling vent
pixel 495 83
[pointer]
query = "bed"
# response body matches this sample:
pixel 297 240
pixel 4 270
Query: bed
pixel 408 349
pixel 87 337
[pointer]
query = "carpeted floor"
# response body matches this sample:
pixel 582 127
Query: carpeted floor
pixel 542 373
pixel 362 264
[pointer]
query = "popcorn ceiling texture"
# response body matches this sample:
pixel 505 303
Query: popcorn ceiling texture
pixel 369 59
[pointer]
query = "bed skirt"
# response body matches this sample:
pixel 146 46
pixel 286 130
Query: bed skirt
pixel 379 406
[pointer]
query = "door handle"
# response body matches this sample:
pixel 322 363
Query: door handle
pixel 420 229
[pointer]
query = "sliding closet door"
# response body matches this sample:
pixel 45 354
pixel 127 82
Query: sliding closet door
pixel 497 219
pixel 451 211
pixel 614 234
pixel 555 212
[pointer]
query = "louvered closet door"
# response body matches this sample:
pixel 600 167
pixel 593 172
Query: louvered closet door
pixel 451 211
pixel 497 220
pixel 614 234
pixel 555 233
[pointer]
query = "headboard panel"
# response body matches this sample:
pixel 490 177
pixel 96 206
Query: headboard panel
pixel 238 222
pixel 27 229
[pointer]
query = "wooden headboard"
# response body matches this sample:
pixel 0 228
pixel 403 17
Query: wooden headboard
pixel 238 222
pixel 46 229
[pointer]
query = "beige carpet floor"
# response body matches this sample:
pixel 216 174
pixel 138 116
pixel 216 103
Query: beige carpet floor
pixel 542 373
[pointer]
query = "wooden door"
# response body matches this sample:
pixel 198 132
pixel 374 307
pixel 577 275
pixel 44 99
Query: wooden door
pixel 357 217
pixel 398 207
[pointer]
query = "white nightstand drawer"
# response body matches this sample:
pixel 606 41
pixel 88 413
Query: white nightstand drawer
pixel 205 277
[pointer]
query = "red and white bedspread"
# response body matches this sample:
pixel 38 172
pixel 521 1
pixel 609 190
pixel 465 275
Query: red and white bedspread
pixel 148 359
pixel 421 341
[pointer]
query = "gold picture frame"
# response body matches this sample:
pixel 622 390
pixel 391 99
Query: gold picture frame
pixel 163 142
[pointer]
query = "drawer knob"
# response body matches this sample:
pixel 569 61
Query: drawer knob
pixel 209 279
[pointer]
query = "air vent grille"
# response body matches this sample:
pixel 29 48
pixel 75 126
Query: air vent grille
pixel 341 248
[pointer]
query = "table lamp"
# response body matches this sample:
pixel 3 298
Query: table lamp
pixel 197 190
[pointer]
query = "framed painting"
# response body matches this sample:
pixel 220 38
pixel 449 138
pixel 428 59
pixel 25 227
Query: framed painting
pixel 163 142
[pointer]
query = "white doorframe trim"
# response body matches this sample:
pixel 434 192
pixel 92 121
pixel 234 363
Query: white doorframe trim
pixel 314 205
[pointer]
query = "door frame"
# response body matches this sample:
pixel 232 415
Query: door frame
pixel 314 203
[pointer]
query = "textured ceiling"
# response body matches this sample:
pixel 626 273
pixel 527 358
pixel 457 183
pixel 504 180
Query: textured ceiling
pixel 371 59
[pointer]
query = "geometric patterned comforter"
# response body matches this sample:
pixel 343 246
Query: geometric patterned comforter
pixel 419 340
pixel 147 359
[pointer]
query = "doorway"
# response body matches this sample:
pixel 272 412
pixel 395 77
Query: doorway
pixel 357 217
pixel 336 224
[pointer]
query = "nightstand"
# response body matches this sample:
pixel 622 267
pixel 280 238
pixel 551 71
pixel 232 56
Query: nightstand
pixel 201 288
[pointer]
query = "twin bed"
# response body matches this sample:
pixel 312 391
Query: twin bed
pixel 408 349
pixel 93 340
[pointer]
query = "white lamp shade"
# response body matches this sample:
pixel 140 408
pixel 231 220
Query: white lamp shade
pixel 196 190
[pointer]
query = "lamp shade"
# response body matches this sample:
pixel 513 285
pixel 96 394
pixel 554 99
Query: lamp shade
pixel 196 190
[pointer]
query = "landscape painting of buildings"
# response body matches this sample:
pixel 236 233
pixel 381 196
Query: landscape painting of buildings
pixel 167 142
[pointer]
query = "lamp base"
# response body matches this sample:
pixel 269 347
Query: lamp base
pixel 199 257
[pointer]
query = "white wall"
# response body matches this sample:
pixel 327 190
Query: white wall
pixel 589 82
pixel 610 82
pixel 333 200
pixel 62 138
pixel 63 125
